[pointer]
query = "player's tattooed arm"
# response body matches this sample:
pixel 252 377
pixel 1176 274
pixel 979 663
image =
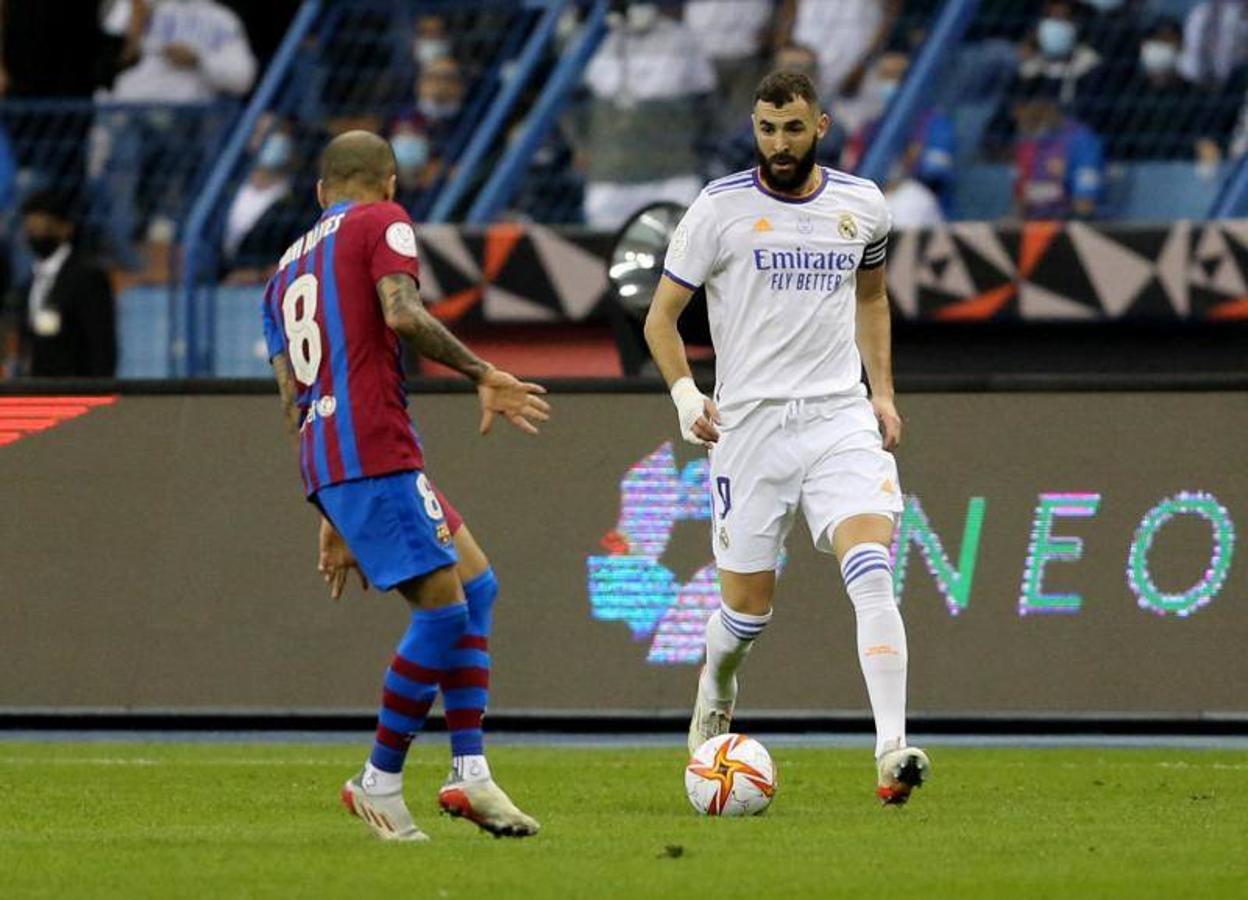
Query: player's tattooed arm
pixel 286 387
pixel 407 316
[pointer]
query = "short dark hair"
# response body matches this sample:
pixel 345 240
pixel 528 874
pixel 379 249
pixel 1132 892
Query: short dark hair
pixel 358 156
pixel 783 87
pixel 58 204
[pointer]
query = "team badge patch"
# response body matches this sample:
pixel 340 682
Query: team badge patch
pixel 443 533
pixel 326 407
pixel 401 238
pixel 723 536
pixel 847 227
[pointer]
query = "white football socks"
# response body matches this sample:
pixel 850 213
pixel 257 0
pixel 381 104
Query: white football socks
pixel 379 781
pixel 868 572
pixel 470 768
pixel 729 637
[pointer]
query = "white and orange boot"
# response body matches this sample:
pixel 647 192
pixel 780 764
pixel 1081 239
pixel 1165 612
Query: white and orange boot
pixel 385 815
pixel 487 806
pixel 901 770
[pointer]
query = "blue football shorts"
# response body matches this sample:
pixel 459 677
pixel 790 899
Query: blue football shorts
pixel 395 526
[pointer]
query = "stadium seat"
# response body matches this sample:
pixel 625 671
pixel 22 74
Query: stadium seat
pixel 1162 191
pixel 985 190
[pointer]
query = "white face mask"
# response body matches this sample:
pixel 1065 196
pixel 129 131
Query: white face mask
pixel 642 16
pixel 1056 37
pixel 1158 57
pixel 429 50
pixel 411 151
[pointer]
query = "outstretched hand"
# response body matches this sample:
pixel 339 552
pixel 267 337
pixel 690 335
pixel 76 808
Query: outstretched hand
pixel 518 401
pixel 334 560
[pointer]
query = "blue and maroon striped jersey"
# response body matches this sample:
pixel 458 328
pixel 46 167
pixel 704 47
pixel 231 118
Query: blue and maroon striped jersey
pixel 321 309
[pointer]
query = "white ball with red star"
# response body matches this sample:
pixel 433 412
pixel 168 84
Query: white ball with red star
pixel 730 775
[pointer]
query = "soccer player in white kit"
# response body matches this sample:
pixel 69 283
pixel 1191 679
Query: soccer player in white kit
pixel 792 257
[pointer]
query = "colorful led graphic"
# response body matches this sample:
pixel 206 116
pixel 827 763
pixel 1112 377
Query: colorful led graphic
pixel 629 582
pixel 1193 503
pixel 1045 548
pixel 954 584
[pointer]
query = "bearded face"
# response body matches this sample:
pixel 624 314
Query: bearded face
pixel 785 173
pixel 786 142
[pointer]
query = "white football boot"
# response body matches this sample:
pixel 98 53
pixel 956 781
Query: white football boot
pixel 487 806
pixel 711 718
pixel 901 769
pixel 386 815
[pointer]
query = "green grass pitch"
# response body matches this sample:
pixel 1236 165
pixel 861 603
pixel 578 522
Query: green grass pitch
pixel 104 819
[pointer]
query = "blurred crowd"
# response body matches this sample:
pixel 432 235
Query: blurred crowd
pixel 1071 88
pixel 109 108
pixel 112 141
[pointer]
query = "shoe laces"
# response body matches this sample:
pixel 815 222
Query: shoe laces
pixel 717 722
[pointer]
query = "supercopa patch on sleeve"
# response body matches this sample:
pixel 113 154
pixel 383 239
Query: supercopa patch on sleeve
pixel 679 243
pixel 401 238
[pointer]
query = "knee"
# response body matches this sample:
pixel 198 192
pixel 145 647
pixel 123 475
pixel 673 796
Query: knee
pixel 748 594
pixel 751 603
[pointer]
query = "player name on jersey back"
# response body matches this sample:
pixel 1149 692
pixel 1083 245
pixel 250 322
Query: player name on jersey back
pixel 321 311
pixel 309 241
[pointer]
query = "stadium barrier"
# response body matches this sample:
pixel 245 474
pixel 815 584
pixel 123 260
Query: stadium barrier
pixel 1061 554
pixel 1181 273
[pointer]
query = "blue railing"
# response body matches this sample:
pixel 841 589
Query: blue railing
pixel 190 350
pixel 1233 199
pixel 487 131
pixel 947 32
pixel 505 180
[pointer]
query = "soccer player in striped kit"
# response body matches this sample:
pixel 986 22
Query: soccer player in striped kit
pixel 343 296
pixel 792 257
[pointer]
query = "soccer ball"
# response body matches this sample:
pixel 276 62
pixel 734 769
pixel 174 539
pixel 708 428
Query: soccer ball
pixel 730 775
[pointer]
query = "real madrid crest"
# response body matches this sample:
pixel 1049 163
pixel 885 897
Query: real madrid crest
pixel 723 536
pixel 847 227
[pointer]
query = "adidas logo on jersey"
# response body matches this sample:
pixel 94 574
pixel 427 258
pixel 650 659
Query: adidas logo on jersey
pixel 762 225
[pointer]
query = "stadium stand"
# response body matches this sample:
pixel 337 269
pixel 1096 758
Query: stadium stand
pixel 512 121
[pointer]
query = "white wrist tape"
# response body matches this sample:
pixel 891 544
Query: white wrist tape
pixel 690 406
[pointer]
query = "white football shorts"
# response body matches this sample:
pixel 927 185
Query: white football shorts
pixel 825 455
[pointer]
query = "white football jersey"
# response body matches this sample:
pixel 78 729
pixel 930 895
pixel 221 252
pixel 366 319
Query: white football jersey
pixel 780 278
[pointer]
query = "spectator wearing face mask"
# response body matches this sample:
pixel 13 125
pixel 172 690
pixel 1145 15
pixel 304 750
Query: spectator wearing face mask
pixel 432 40
pixel 440 90
pixel 1160 115
pixel 928 156
pixel 61 321
pixel 266 214
pixel 421 134
pixel 1059 162
pixel 416 169
pixel 1051 54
